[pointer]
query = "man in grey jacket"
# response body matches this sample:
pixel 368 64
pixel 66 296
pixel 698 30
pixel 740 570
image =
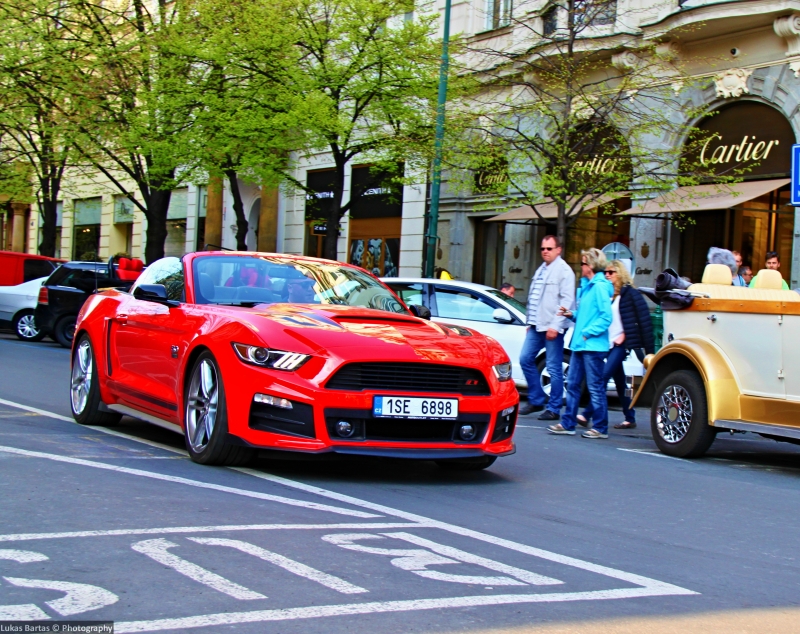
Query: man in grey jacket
pixel 553 285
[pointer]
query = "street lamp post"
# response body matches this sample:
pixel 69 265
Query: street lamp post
pixel 433 214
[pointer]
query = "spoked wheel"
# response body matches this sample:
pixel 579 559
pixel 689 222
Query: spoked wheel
pixel 679 416
pixel 25 327
pixel 64 330
pixel 206 421
pixel 84 390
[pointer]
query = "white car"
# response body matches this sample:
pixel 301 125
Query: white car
pixel 490 312
pixel 16 308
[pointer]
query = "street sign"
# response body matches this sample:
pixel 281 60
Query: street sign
pixel 796 175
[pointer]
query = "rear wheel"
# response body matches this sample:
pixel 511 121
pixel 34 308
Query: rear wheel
pixel 679 416
pixel 544 374
pixel 25 327
pixel 64 330
pixel 467 464
pixel 84 388
pixel 206 417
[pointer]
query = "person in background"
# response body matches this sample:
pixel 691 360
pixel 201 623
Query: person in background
pixel 552 287
pixel 747 274
pixel 508 289
pixel 631 329
pixel 773 262
pixel 589 346
pixel 723 256
pixel 738 279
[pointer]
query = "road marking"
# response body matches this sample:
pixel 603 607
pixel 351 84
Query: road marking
pixel 378 607
pixel 295 567
pixel 36 410
pixel 194 483
pixel 22 556
pixel 651 452
pixel 80 597
pixel 171 530
pixel 22 612
pixel 157 549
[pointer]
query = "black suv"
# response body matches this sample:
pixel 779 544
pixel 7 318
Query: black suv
pixel 64 292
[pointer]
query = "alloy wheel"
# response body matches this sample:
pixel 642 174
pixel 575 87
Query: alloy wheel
pixel 26 327
pixel 545 378
pixel 82 372
pixel 674 413
pixel 201 405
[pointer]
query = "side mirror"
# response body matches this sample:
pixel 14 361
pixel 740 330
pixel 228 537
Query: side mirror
pixel 423 312
pixel 503 316
pixel 153 293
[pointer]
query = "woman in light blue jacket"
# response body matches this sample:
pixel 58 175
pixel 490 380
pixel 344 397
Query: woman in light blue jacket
pixel 589 346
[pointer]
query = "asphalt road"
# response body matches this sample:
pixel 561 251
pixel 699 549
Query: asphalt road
pixel 119 525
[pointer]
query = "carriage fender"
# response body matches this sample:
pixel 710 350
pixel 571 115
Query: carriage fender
pixel 704 357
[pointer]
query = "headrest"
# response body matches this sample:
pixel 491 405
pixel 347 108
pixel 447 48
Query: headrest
pixel 125 264
pixel 769 279
pixel 717 274
pixel 136 264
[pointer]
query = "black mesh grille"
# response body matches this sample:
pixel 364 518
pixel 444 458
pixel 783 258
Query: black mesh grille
pixel 409 377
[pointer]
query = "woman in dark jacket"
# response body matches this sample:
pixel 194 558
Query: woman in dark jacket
pixel 631 329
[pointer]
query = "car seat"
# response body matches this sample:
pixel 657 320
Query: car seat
pixel 769 279
pixel 129 269
pixel 717 274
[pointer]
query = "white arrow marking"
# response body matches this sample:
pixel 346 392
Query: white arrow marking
pixel 80 597
pixel 295 567
pixel 157 549
pixel 22 556
pixel 23 612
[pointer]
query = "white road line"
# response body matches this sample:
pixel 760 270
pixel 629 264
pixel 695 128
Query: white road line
pixel 22 556
pixel 653 585
pixel 469 558
pixel 171 530
pixel 158 550
pixel 22 612
pixel 79 597
pixel 194 483
pixel 378 607
pixel 295 567
pixel 650 452
pixel 36 410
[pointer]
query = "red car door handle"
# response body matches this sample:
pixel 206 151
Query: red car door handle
pixel 122 319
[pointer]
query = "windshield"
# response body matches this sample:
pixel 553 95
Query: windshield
pixel 251 280
pixel 514 303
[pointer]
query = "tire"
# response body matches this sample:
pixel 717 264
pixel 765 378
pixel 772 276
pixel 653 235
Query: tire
pixel 467 464
pixel 84 389
pixel 206 417
pixel 541 366
pixel 64 330
pixel 25 326
pixel 679 416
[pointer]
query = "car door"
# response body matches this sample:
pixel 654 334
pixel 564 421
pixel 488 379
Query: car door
pixel 411 292
pixel 465 307
pixel 148 340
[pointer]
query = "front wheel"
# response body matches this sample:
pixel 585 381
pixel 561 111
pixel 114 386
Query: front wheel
pixel 25 327
pixel 467 464
pixel 64 331
pixel 84 388
pixel 679 416
pixel 206 417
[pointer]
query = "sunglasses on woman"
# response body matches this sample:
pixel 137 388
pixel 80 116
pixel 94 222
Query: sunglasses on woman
pixel 609 272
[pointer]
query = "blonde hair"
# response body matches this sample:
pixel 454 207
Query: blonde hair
pixel 595 258
pixel 622 278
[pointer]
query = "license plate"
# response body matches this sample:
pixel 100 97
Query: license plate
pixel 410 407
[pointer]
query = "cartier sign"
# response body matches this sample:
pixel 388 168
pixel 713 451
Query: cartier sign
pixel 747 137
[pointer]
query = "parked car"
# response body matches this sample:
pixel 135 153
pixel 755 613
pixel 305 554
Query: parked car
pixel 17 268
pixel 64 292
pixel 729 363
pixel 490 312
pixel 239 351
pixel 17 304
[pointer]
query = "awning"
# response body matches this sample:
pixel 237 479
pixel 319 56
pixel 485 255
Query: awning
pixel 706 197
pixel 549 209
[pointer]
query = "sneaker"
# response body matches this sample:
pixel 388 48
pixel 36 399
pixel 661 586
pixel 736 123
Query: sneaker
pixel 593 433
pixel 526 409
pixel 549 415
pixel 559 430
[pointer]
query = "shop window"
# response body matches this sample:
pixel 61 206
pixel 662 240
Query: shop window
pixel 175 244
pixel 87 243
pixel 319 202
pixel 379 255
pixel 489 254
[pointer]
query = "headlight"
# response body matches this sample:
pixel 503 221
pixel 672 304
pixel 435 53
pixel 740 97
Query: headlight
pixel 503 371
pixel 266 358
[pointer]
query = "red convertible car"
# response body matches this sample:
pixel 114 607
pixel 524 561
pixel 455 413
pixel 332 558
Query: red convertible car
pixel 246 351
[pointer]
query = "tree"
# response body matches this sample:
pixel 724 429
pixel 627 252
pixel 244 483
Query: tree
pixel 574 110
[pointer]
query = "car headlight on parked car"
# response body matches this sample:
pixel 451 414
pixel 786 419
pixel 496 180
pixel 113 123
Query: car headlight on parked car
pixel 267 358
pixel 503 371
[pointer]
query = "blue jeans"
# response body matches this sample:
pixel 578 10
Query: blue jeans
pixel 586 365
pixel 614 370
pixel 554 358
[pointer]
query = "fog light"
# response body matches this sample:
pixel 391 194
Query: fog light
pixel 507 411
pixel 344 428
pixel 275 401
pixel 467 432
